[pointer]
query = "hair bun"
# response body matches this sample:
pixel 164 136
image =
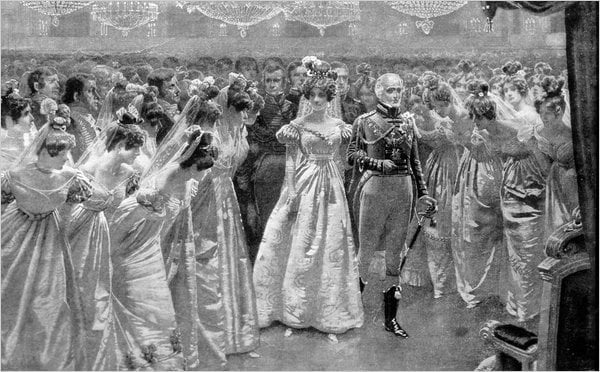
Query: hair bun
pixel 552 86
pixel 363 69
pixel 478 88
pixel 542 68
pixel 512 68
pixel 430 80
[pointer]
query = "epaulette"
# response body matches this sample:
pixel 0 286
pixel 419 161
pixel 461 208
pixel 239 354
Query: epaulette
pixel 367 114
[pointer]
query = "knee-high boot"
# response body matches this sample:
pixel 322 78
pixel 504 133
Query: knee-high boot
pixel 390 307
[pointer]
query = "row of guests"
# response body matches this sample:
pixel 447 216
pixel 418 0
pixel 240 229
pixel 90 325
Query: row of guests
pixel 155 276
pixel 502 171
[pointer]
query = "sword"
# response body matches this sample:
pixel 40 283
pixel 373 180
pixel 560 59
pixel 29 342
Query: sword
pixel 420 222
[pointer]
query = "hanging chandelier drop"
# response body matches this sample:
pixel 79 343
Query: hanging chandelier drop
pixel 242 14
pixel 55 9
pixel 323 14
pixel 124 15
pixel 426 9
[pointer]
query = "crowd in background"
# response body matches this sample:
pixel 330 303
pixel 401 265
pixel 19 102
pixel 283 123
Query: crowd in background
pixel 494 138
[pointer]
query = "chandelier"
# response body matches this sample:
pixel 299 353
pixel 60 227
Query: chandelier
pixel 242 14
pixel 55 9
pixel 323 14
pixel 426 9
pixel 124 15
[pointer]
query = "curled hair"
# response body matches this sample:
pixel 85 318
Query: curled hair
pixel 152 112
pixel 37 76
pixel 434 89
pixel 479 104
pixel 512 68
pixel 240 100
pixel 57 140
pixel 131 134
pixel 203 112
pixel 542 68
pixel 327 85
pixel 553 94
pixel 203 155
pixel 14 105
pixel 321 76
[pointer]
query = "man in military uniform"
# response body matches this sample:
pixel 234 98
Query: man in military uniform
pixel 384 148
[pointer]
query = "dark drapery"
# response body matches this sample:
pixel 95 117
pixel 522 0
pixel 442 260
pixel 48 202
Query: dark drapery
pixel 581 21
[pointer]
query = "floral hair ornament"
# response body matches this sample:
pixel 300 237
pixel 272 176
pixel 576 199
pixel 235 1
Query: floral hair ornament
pixel 48 106
pixel 317 68
pixel 139 89
pixel 59 123
pixel 237 79
pixel 131 110
pixel 11 86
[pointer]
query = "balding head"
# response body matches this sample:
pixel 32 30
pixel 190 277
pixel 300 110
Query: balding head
pixel 388 89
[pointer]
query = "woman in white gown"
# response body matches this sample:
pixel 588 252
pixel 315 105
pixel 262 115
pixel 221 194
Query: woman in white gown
pixel 306 273
pixel 142 300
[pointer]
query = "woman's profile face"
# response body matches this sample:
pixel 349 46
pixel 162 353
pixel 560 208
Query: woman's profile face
pixel 317 99
pixel 128 156
pixel 26 118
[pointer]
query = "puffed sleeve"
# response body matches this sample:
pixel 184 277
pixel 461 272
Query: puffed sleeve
pixel 133 184
pixel 289 134
pixel 80 189
pixel 7 195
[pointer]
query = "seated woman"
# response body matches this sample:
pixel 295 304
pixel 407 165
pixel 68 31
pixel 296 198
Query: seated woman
pixel 113 179
pixel 143 306
pixel 42 317
pixel 306 273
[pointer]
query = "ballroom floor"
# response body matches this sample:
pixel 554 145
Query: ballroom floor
pixel 444 335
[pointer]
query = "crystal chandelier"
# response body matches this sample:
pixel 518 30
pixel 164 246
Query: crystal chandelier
pixel 124 15
pixel 55 9
pixel 242 14
pixel 426 9
pixel 323 14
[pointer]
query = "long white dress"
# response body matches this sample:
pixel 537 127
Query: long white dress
pixel 306 273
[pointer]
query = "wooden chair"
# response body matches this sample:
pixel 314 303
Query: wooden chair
pixel 565 309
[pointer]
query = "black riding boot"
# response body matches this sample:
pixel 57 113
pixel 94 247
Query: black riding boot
pixel 390 307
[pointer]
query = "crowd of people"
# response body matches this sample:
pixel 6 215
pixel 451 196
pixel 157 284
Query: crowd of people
pixel 157 217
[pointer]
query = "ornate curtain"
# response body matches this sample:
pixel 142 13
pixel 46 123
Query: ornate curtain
pixel 581 21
